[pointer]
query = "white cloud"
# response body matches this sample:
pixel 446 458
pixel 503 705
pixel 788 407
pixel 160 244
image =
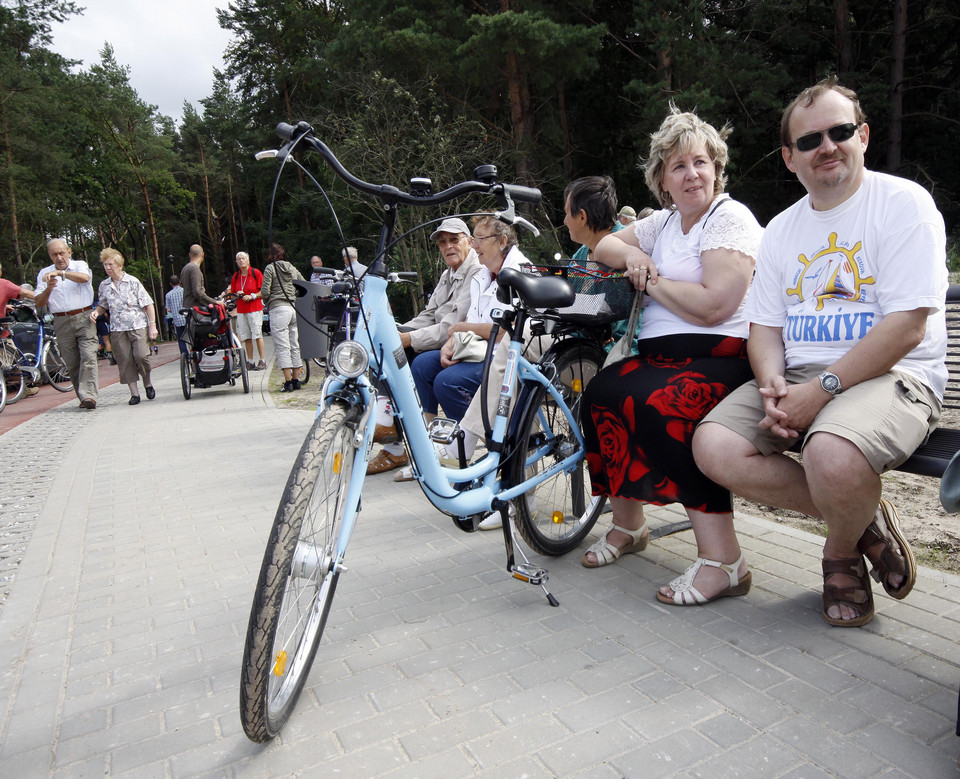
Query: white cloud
pixel 170 46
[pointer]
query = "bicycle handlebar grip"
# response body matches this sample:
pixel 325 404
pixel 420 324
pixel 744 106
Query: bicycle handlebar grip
pixel 523 194
pixel 285 131
pixel 407 275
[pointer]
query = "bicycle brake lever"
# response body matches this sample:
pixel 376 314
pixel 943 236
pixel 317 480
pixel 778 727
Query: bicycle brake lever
pixel 509 215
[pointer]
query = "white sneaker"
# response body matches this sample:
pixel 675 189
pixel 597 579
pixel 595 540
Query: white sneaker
pixel 493 521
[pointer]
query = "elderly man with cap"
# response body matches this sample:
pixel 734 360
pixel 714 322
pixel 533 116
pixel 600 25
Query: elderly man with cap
pixel 626 215
pixel 428 330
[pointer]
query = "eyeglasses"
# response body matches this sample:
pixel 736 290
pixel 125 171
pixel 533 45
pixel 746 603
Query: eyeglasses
pixel 478 238
pixel 838 134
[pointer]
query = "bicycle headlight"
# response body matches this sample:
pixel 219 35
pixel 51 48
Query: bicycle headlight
pixel 349 359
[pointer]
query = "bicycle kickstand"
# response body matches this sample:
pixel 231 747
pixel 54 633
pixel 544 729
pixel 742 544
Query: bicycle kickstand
pixel 525 571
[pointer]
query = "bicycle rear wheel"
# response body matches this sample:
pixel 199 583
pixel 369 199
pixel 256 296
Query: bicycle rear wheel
pixel 54 368
pixel 185 375
pixel 298 577
pixel 14 379
pixel 244 375
pixel 557 514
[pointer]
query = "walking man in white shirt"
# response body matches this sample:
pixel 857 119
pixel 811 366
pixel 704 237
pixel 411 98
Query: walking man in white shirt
pixel 66 289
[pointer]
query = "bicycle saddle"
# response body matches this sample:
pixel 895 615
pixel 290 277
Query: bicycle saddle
pixel 534 291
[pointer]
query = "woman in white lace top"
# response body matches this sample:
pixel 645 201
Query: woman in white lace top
pixel 694 260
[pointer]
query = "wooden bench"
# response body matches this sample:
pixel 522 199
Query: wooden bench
pixel 931 459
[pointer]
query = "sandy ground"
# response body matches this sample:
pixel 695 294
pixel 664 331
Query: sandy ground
pixel 933 534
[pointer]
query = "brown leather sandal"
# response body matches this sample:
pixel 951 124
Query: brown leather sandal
pixel 858 597
pixel 885 546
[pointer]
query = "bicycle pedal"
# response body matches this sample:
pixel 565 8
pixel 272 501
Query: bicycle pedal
pixel 530 574
pixel 444 431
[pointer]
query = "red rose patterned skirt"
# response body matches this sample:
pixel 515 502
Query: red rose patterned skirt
pixel 639 416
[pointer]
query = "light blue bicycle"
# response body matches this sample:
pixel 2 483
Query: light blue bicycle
pixel 534 459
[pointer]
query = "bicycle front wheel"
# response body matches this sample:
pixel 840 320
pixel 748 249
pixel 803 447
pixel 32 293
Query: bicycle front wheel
pixel 54 368
pixel 298 577
pixel 557 514
pixel 14 379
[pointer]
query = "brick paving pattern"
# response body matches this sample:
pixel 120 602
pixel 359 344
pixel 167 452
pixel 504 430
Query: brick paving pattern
pixel 121 637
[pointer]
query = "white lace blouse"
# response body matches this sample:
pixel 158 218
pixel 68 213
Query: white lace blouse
pixel 726 225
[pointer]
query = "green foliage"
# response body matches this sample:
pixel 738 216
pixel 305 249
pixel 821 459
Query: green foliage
pixel 399 88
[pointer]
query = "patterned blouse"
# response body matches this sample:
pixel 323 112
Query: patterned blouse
pixel 125 300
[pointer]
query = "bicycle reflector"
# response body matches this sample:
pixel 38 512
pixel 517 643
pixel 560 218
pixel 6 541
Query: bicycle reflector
pixel 349 359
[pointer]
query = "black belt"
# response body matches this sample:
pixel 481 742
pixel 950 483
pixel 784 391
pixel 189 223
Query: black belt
pixel 71 313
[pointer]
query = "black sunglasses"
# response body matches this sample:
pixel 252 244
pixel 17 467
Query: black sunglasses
pixel 838 134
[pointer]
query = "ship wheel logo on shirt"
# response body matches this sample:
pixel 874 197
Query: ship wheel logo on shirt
pixel 830 273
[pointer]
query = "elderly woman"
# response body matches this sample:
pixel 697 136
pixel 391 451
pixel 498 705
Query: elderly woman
pixel 441 380
pixel 694 259
pixel 279 295
pixel 132 322
pixel 246 283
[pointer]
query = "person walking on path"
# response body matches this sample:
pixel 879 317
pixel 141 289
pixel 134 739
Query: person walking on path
pixel 66 289
pixel 191 278
pixel 246 283
pixel 132 322
pixel 848 344
pixel 279 295
pixel 174 303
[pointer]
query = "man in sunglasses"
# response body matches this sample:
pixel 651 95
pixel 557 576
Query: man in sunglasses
pixel 847 344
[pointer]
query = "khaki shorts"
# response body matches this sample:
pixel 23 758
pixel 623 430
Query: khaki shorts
pixel 249 327
pixel 886 418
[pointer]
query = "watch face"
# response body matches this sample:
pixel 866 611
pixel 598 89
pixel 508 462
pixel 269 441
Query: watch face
pixel 829 382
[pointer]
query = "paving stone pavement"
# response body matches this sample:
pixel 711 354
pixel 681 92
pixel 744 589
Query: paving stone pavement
pixel 121 638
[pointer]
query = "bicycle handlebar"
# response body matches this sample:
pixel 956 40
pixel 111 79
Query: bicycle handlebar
pixel 505 193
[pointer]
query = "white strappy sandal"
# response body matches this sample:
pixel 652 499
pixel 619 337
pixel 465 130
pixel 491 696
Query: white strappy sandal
pixel 607 553
pixel 685 594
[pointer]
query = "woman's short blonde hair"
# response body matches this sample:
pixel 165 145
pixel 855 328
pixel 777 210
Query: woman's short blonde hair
pixel 242 254
pixel 683 131
pixel 112 254
pixel 498 228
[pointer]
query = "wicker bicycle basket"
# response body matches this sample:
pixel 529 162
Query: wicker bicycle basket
pixel 602 296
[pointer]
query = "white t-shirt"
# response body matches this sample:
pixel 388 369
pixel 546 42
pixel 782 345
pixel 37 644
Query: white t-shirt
pixel 727 224
pixel 828 277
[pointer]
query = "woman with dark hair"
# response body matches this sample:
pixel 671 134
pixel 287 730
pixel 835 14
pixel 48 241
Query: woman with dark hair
pixel 694 259
pixel 279 295
pixel 441 380
pixel 590 213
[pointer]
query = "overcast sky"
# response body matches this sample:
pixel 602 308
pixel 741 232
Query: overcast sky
pixel 170 46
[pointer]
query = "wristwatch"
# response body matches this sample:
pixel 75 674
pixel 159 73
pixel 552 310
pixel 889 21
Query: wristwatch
pixel 830 382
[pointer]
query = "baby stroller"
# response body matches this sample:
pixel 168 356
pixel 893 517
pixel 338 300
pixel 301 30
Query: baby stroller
pixel 214 354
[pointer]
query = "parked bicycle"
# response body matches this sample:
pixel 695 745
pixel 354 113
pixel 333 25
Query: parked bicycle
pixel 534 459
pixel 30 354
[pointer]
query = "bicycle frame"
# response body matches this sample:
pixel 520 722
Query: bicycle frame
pixel 378 332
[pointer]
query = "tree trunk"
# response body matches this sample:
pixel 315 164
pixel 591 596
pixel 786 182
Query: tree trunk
pixel 565 127
pixel 841 16
pixel 213 228
pixel 521 115
pixel 898 54
pixel 14 225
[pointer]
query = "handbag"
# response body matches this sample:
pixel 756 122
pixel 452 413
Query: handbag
pixel 623 348
pixel 468 347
